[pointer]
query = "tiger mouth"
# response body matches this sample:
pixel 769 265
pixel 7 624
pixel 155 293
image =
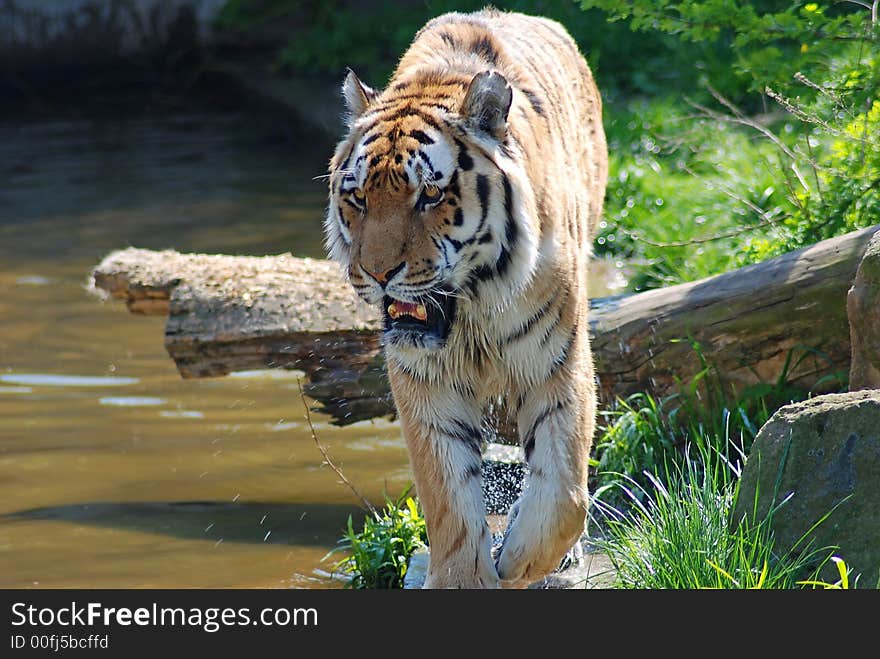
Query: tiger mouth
pixel 418 320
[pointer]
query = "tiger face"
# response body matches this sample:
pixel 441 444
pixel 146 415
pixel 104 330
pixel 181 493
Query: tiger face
pixel 421 205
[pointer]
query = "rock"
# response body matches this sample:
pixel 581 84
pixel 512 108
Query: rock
pixel 863 310
pixel 833 460
pixel 416 570
pixel 591 569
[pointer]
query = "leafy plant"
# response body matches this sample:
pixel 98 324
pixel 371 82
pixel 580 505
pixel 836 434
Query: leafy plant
pixel 379 553
pixel 641 433
pixel 809 120
pixel 769 41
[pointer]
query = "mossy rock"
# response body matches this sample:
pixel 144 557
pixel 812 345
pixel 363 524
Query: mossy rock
pixel 826 454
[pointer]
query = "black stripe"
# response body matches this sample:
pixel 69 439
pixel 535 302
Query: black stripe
pixel 407 111
pixel 452 187
pixel 459 217
pixel 477 275
pixel 427 160
pixel 414 284
pixel 483 47
pixel 464 158
pixel 342 217
pixel 375 160
pixel 548 333
pixel 483 195
pixel 372 138
pixel 344 165
pixel 449 39
pixel 512 230
pixel 421 136
pixel 486 237
pixel 439 106
pixel 529 443
pixel 537 105
pixel 561 358
pixel 531 322
pixel 529 447
pixel 468 434
pixel 503 261
pixel 456 244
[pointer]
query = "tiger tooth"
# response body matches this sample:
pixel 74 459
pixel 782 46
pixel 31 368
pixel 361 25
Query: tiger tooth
pixel 392 310
pixel 421 313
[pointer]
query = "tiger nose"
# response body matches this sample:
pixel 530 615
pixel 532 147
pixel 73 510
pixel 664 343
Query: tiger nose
pixel 384 277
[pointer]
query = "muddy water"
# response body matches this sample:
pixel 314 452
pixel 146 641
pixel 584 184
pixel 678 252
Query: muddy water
pixel 114 472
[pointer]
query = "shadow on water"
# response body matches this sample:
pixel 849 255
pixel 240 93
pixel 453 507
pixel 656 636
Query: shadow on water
pixel 212 521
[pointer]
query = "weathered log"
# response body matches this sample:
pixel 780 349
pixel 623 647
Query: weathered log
pixel 231 313
pixel 863 309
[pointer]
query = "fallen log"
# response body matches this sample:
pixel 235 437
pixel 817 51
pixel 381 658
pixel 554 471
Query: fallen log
pixel 228 313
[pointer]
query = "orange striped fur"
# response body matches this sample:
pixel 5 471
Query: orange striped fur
pixel 461 202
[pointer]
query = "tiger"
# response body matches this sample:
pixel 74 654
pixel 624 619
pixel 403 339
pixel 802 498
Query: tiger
pixel 461 203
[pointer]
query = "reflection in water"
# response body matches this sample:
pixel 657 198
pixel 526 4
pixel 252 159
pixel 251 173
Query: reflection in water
pixel 131 401
pixel 54 380
pixel 114 471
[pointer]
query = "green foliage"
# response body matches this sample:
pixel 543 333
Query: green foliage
pixel 833 181
pixel 770 41
pixel 677 180
pixel 378 554
pixel 642 434
pixel 677 534
pixel 790 179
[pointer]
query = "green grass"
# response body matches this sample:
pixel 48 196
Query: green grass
pixel 677 534
pixel 676 183
pixel 378 554
pixel 642 433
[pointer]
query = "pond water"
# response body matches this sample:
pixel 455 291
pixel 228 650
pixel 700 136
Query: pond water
pixel 115 472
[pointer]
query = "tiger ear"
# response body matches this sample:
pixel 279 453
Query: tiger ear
pixel 358 96
pixel 487 103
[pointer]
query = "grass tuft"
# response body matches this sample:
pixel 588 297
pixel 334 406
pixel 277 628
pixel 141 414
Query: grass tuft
pixel 379 553
pixel 677 534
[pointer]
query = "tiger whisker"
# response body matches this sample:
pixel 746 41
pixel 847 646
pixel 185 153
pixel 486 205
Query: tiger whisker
pixel 449 294
pixel 434 302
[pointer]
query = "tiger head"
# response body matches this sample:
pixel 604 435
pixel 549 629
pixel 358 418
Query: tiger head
pixel 429 209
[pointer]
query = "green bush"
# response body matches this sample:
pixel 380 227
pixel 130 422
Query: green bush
pixel 379 553
pixel 677 534
pixel 676 181
pixel 838 191
pixel 798 157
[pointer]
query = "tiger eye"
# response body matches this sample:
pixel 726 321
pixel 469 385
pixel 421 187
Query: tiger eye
pixel 431 193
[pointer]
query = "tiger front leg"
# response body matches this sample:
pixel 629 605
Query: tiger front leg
pixel 551 514
pixel 443 437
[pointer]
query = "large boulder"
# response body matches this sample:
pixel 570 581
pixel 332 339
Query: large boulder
pixel 831 451
pixel 863 311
